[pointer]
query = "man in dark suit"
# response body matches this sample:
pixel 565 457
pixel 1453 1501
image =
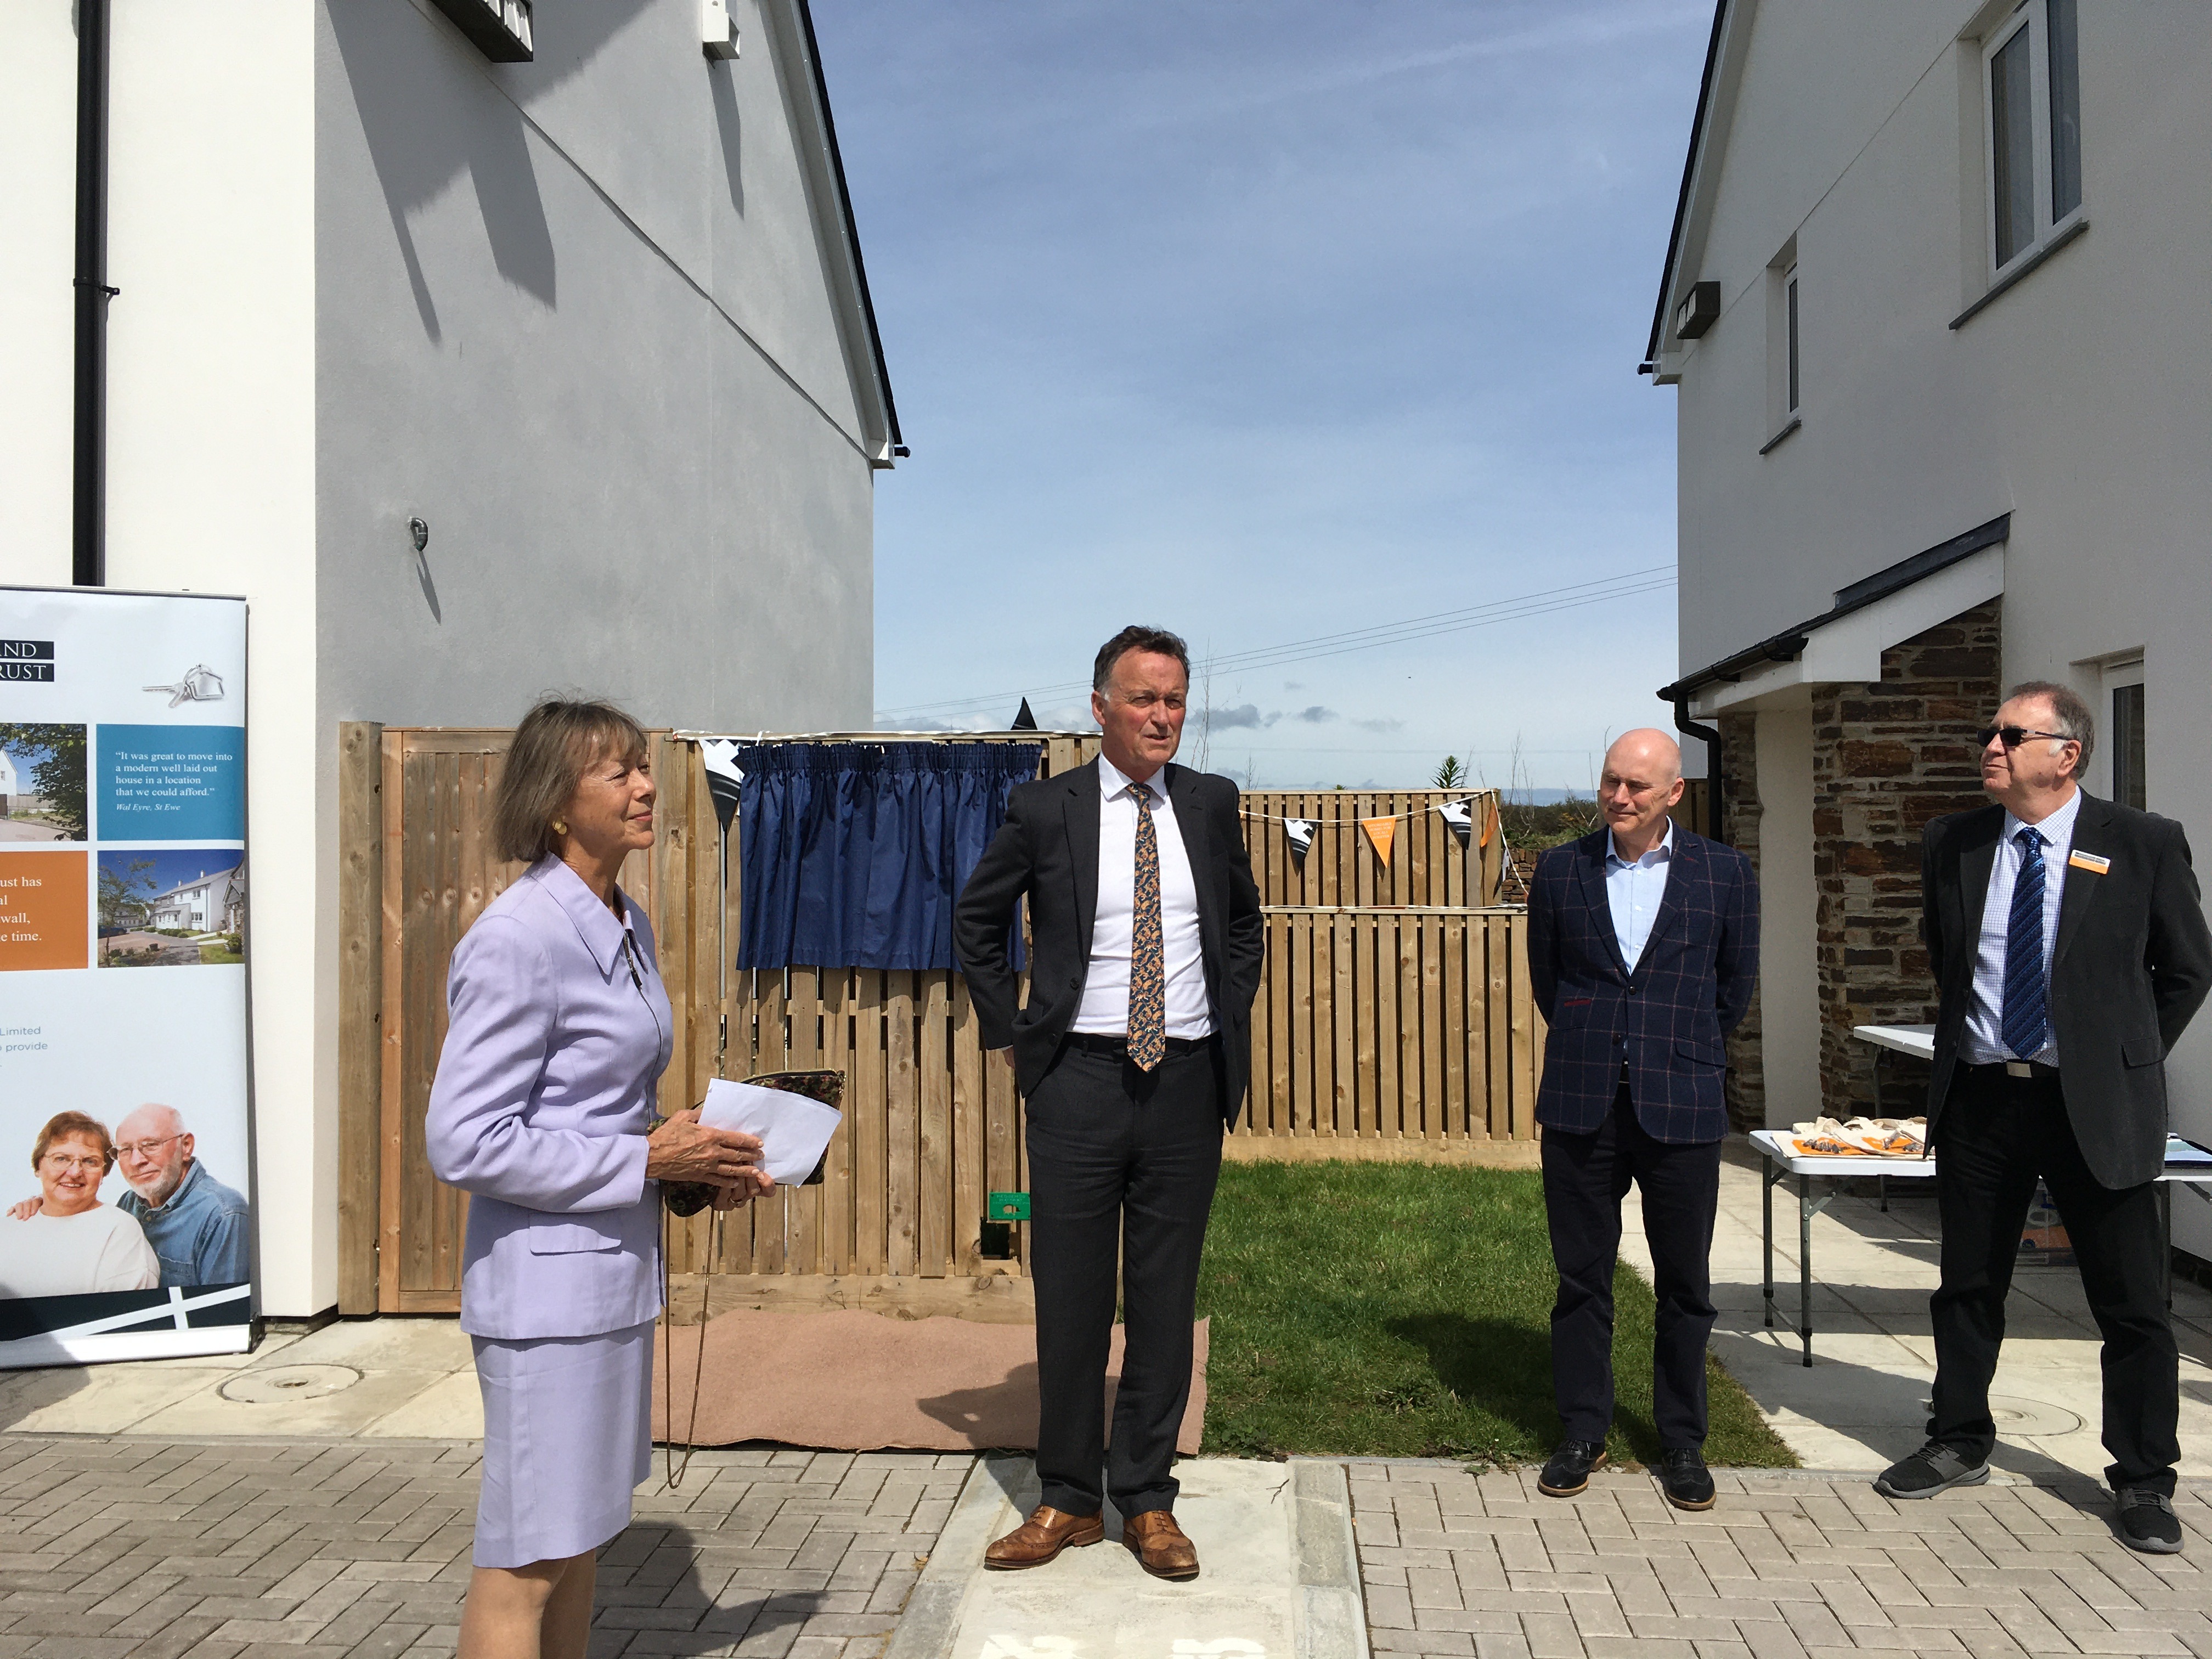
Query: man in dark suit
pixel 2069 949
pixel 1131 1054
pixel 1643 951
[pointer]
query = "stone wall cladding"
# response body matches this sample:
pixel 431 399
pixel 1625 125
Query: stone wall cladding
pixel 1886 758
pixel 1746 1076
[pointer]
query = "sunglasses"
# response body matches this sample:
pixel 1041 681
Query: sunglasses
pixel 2014 736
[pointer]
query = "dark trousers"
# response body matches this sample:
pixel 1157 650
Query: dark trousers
pixel 1122 1167
pixel 1585 1178
pixel 1996 1134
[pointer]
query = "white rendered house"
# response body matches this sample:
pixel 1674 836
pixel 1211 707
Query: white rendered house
pixel 477 376
pixel 1934 312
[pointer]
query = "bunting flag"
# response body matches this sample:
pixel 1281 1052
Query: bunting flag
pixel 723 778
pixel 1381 832
pixel 1023 721
pixel 1456 814
pixel 1490 822
pixel 1300 834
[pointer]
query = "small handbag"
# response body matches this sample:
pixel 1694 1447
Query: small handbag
pixel 690 1197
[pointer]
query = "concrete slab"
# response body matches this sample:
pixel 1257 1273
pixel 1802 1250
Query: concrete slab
pixel 97 1399
pixel 452 1408
pixel 1279 1575
pixel 205 1411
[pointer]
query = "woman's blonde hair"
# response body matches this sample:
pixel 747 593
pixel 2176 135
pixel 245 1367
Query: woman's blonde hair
pixel 62 1125
pixel 556 742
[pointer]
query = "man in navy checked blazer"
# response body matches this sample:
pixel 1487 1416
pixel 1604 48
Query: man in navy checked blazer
pixel 1642 951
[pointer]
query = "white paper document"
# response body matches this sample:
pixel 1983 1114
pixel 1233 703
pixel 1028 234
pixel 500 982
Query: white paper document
pixel 794 1131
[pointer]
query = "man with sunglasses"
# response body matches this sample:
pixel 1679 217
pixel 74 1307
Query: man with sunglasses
pixel 2069 950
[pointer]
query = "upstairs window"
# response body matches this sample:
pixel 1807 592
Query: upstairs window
pixel 2032 86
pixel 1790 327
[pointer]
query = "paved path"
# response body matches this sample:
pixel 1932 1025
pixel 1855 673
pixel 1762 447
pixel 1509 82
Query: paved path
pixel 145 1548
pixel 1863 1403
pixel 1786 1567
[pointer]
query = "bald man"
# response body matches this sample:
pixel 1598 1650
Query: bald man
pixel 1643 951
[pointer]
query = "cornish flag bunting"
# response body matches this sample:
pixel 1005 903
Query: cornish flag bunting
pixel 723 778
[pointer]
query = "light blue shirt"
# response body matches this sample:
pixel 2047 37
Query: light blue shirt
pixel 1985 1017
pixel 1633 892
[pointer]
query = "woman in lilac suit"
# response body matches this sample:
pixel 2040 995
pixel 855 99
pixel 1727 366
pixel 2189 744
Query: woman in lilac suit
pixel 543 1112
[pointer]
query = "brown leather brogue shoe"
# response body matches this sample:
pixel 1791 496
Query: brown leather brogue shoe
pixel 1159 1544
pixel 1042 1536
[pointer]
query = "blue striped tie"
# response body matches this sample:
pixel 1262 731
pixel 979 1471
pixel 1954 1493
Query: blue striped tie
pixel 2027 1022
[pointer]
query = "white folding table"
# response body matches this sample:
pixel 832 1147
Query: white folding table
pixel 1783 1162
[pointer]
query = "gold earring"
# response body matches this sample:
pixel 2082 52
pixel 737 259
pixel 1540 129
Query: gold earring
pixel 560 826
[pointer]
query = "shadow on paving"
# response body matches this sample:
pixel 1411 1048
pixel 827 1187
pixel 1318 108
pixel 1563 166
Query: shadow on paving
pixel 670 1591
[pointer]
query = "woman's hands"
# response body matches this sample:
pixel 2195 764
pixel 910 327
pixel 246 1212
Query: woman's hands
pixel 684 1149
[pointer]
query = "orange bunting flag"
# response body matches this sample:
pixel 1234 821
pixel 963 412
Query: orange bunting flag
pixel 1381 832
pixel 1489 824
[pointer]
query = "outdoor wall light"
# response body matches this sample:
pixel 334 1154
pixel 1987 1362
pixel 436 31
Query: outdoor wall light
pixel 418 532
pixel 718 32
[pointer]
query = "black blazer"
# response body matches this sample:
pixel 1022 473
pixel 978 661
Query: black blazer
pixel 1691 988
pixel 1047 849
pixel 2132 963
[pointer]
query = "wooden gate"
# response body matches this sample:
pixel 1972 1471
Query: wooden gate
pixel 1394 1019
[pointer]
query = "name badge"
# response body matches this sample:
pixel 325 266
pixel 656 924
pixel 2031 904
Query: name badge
pixel 2089 861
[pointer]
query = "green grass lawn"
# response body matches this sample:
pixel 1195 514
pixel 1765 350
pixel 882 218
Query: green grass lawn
pixel 1402 1310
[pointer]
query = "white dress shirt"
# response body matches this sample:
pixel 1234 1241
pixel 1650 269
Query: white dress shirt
pixel 1105 1008
pixel 1634 890
pixel 1985 1043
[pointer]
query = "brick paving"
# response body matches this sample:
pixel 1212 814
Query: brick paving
pixel 146 1549
pixel 1786 1567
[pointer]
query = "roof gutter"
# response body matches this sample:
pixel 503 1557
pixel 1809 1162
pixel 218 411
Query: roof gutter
pixel 88 528
pixel 1682 202
pixel 852 227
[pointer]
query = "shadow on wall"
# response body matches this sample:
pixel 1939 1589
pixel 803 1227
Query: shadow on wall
pixel 429 108
pixel 723 80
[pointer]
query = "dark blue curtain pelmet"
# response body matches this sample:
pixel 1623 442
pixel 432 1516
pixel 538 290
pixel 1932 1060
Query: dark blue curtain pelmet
pixel 852 854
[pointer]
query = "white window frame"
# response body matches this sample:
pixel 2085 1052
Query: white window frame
pixel 1793 356
pixel 2033 17
pixel 2117 674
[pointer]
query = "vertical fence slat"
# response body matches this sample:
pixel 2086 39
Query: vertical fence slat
pixel 869 1162
pixel 903 1121
pixel 968 1115
pixel 934 1246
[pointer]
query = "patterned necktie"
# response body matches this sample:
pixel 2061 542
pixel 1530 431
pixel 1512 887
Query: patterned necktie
pixel 1148 979
pixel 2026 1021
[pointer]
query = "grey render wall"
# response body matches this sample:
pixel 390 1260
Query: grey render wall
pixel 2079 401
pixel 575 315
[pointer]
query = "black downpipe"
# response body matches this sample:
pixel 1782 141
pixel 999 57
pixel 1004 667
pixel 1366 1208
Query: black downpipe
pixel 1716 790
pixel 89 531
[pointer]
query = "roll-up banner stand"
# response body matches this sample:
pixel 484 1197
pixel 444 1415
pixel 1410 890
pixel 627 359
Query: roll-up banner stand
pixel 124 1227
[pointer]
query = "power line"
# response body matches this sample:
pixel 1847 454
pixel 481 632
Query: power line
pixel 1569 598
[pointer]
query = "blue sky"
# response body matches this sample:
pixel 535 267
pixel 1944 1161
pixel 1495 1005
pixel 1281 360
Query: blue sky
pixel 1267 324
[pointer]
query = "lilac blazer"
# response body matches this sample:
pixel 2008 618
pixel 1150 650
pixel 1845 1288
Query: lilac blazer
pixel 543 1100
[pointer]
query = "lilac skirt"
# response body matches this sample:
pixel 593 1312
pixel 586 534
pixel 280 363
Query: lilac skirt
pixel 567 1435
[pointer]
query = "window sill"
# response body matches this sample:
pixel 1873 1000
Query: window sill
pixel 1788 427
pixel 2032 262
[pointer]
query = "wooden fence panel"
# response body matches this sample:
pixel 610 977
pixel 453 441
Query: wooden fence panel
pixel 1390 1010
pixel 1427 866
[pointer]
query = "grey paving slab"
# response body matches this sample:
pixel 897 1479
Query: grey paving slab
pixel 228 1548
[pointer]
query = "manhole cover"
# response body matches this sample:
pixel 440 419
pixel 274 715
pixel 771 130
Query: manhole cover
pixel 2031 1416
pixel 282 1382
